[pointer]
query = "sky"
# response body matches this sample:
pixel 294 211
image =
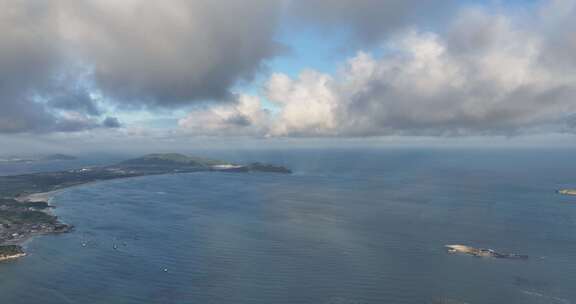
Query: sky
pixel 138 74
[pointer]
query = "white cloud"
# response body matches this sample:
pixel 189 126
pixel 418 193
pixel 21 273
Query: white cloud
pixel 308 104
pixel 487 74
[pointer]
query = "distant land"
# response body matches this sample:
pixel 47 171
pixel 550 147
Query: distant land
pixel 24 208
pixel 50 157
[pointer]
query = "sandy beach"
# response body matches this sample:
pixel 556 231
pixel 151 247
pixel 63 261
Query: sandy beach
pixel 12 257
pixel 39 197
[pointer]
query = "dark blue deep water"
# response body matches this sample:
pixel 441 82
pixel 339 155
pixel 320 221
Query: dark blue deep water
pixel 349 227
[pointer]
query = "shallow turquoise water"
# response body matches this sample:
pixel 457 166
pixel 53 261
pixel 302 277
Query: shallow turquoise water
pixel 348 227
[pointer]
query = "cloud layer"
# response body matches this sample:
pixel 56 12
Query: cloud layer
pixel 488 73
pixel 487 70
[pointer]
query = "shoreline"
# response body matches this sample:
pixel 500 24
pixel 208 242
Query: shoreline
pixel 25 200
pixel 12 257
pixel 24 237
pixel 43 197
pixel 59 227
pixel 11 252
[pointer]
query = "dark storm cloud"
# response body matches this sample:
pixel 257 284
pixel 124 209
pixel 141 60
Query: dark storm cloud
pixel 140 54
pixel 170 53
pixel 27 57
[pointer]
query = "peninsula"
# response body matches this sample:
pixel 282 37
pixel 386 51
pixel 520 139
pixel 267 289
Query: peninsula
pixel 24 208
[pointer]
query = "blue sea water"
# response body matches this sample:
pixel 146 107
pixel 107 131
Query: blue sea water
pixel 349 226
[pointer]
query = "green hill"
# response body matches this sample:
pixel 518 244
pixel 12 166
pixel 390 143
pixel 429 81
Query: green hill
pixel 172 159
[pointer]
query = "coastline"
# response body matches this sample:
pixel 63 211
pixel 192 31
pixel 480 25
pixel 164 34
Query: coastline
pixel 25 209
pixel 12 257
pixel 23 236
pixel 11 252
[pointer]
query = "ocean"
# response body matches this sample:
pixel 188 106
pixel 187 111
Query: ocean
pixel 350 226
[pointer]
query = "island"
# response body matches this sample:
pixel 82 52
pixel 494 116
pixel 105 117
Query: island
pixel 481 252
pixel 24 199
pixel 567 191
